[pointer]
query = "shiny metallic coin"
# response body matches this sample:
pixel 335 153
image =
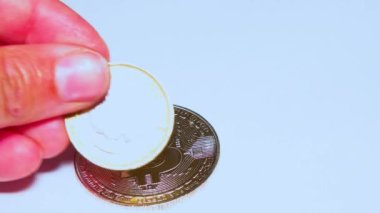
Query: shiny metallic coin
pixel 186 162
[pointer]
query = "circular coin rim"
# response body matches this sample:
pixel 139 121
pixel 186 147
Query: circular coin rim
pixel 157 149
pixel 209 172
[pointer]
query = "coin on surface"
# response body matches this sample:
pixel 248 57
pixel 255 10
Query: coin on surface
pixel 130 127
pixel 187 161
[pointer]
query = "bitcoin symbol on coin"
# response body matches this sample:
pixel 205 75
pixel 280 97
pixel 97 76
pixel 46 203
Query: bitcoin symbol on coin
pixel 164 163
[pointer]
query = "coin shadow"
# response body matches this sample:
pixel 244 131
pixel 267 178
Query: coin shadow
pixel 49 165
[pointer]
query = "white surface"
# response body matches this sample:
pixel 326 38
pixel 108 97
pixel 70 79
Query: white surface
pixel 131 127
pixel 291 87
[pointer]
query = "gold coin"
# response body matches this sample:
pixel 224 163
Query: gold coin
pixel 188 160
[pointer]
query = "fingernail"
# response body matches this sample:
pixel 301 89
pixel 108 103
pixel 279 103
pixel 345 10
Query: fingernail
pixel 81 77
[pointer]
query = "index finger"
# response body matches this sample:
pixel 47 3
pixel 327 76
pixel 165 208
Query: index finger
pixel 46 21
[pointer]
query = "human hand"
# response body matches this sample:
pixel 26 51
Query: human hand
pixel 52 62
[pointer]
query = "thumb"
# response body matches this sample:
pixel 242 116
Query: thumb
pixel 48 80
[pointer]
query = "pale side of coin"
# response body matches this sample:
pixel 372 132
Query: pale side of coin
pixel 131 127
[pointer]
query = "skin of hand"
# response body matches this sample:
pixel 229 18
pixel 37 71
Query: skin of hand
pixel 52 63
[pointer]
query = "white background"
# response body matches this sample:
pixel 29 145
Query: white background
pixel 291 87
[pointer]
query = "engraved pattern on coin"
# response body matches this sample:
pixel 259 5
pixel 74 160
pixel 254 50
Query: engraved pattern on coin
pixel 187 161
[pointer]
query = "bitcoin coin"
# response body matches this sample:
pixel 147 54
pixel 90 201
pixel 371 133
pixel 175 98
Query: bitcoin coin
pixel 187 161
pixel 130 127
